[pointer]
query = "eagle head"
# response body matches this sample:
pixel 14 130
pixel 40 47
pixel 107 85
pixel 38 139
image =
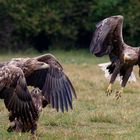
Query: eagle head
pixel 31 65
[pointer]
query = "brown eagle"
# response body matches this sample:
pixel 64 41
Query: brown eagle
pixel 108 40
pixel 43 72
pixel 56 87
pixel 14 90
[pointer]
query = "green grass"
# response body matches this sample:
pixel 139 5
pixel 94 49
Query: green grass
pixel 95 116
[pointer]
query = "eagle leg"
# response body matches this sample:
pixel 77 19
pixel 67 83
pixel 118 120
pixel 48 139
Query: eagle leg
pixel 109 89
pixel 113 77
pixel 124 81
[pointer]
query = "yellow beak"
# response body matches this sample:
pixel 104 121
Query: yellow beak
pixel 126 57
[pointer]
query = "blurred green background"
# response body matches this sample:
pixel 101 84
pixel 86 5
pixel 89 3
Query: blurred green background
pixel 67 24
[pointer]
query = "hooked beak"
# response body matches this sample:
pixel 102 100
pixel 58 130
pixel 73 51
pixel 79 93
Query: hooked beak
pixel 45 66
pixel 42 66
pixel 126 58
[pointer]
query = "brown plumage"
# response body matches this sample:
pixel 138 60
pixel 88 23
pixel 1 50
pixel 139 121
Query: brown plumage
pixel 44 72
pixel 14 91
pixel 108 40
pixel 54 83
pixel 17 124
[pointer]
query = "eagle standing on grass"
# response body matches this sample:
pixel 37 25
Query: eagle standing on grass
pixel 43 72
pixel 108 40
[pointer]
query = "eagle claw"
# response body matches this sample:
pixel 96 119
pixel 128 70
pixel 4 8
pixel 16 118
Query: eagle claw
pixel 118 94
pixel 109 90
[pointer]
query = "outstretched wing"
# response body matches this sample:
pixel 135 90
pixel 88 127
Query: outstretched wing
pixel 54 83
pixel 17 98
pixel 107 37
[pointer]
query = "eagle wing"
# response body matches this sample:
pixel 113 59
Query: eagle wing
pixel 107 38
pixel 14 91
pixel 54 83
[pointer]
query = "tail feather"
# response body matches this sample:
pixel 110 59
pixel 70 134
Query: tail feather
pixel 108 73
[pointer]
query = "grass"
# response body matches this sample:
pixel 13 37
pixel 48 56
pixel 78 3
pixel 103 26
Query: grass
pixel 95 116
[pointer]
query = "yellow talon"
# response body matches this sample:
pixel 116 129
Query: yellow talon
pixel 109 89
pixel 119 93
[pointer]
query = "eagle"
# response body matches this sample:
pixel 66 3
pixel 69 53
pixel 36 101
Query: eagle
pixel 44 72
pixel 14 90
pixel 108 40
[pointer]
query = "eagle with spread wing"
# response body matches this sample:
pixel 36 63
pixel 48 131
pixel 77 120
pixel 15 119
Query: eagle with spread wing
pixel 44 72
pixel 108 40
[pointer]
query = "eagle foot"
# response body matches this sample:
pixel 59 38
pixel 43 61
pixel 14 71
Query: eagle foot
pixel 109 90
pixel 118 94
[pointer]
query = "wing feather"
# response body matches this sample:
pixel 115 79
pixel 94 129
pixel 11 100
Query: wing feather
pixel 107 36
pixel 61 102
pixel 57 101
pixel 68 95
pixel 52 100
pixel 17 99
pixel 55 85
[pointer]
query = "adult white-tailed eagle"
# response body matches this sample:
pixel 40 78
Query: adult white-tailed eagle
pixel 108 40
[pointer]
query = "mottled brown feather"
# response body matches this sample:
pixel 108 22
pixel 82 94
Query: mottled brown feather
pixel 16 95
pixel 54 83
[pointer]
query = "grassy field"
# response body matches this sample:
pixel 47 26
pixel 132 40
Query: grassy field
pixel 95 116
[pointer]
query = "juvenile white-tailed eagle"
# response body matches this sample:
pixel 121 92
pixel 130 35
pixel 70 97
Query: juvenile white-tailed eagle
pixel 54 83
pixel 14 90
pixel 108 40
pixel 43 72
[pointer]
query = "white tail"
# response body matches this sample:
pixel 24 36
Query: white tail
pixel 103 67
